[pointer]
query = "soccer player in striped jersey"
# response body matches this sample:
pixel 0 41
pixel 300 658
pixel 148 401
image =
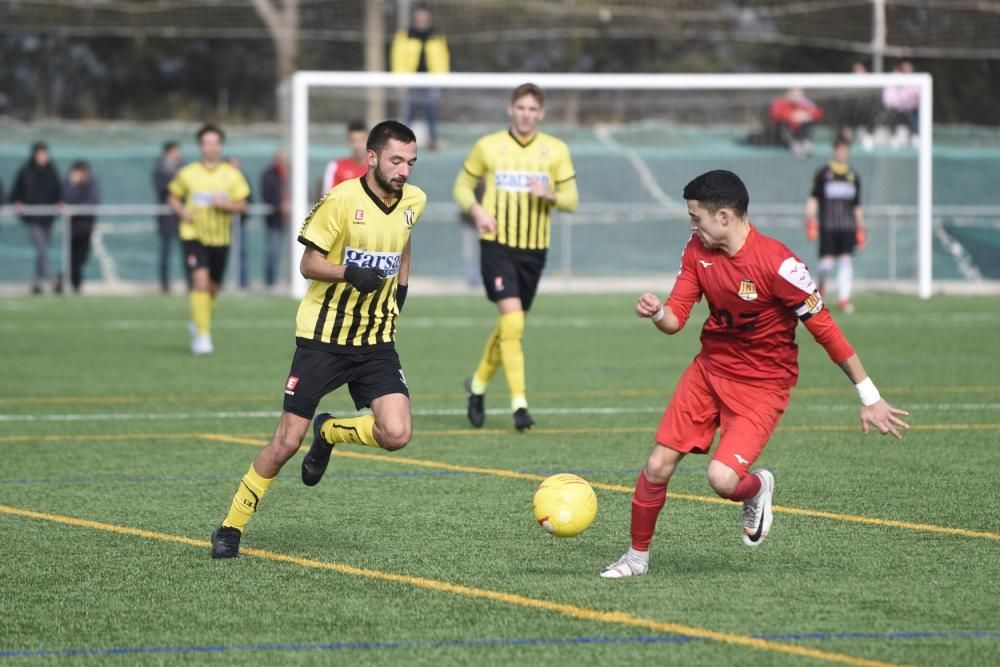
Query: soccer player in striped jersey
pixel 357 256
pixel 757 292
pixel 833 213
pixel 205 195
pixel 526 174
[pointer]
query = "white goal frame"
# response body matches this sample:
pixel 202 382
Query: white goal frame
pixel 304 81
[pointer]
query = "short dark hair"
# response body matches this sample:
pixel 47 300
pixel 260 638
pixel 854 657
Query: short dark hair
pixel 719 189
pixel 169 145
pixel 528 89
pixel 841 140
pixel 356 125
pixel 210 127
pixel 80 165
pixel 386 130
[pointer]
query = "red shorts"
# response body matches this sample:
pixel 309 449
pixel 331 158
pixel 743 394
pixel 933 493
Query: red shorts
pixel 702 403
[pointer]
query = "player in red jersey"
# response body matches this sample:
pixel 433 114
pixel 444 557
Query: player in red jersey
pixel 757 291
pixel 346 168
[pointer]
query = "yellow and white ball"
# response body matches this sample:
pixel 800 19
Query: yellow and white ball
pixel 565 505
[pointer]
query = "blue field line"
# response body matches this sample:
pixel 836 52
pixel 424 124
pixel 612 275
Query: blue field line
pixel 484 643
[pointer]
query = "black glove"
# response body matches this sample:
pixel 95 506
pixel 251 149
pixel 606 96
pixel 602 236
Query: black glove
pixel 364 279
pixel 400 296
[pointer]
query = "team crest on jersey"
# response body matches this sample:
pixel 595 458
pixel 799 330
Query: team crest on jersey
pixel 747 291
pixel 409 216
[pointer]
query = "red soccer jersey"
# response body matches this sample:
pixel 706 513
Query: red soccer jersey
pixel 756 298
pixel 338 171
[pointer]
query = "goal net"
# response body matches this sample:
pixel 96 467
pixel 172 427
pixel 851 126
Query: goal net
pixel 636 140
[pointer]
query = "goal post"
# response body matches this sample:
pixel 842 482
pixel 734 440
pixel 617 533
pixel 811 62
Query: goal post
pixel 306 83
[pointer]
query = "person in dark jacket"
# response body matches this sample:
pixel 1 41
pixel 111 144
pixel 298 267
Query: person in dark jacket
pixel 80 189
pixel 166 223
pixel 37 184
pixel 274 193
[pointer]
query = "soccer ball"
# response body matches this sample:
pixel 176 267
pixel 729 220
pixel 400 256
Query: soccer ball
pixel 564 505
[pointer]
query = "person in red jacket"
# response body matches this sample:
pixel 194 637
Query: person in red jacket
pixel 792 118
pixel 354 165
pixel 739 383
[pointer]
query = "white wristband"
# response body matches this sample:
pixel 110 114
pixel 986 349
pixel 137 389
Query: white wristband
pixel 867 392
pixel 659 314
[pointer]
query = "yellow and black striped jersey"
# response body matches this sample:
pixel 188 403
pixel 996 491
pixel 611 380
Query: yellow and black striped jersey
pixel 197 185
pixel 351 225
pixel 506 167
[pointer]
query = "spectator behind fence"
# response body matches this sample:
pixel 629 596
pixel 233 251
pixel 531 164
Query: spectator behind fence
pixel 421 49
pixel 792 118
pixel 37 184
pixel 80 189
pixel 274 193
pixel 166 223
pixel 901 109
pixel 354 165
pixel 244 270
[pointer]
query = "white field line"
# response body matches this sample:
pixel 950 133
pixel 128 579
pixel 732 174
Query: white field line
pixel 958 252
pixel 109 269
pixel 450 412
pixel 603 133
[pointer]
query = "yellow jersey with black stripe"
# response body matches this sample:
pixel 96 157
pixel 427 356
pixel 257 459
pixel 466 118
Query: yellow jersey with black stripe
pixel 352 225
pixel 507 166
pixel 197 186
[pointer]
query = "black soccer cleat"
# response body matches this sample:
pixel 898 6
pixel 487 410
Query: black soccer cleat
pixel 318 457
pixel 522 419
pixel 476 410
pixel 226 542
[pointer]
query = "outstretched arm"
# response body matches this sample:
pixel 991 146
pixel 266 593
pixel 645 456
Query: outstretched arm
pixel 874 409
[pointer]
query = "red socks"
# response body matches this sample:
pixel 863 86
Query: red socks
pixel 647 501
pixel 747 488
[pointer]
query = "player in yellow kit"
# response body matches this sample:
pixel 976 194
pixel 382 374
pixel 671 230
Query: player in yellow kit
pixel 205 194
pixel 526 174
pixel 357 256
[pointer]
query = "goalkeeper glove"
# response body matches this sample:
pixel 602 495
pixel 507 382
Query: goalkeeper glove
pixel 812 228
pixel 364 279
pixel 861 238
pixel 400 296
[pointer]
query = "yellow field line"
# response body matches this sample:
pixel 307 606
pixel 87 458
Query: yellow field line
pixel 599 393
pixel 513 474
pixel 569 610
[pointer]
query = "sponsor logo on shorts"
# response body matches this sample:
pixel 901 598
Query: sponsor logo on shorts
pixel 498 284
pixel 291 384
pixel 402 378
pixel 747 291
pixel 386 262
pixel 741 460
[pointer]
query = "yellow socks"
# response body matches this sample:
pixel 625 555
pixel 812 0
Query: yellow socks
pixel 511 327
pixel 489 364
pixel 201 311
pixel 355 430
pixel 252 488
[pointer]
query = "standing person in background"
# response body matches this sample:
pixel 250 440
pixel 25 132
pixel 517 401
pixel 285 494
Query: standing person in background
pixel 834 215
pixel 37 184
pixel 244 276
pixel 205 195
pixel 527 174
pixel 166 223
pixel 902 104
pixel 80 189
pixel 274 193
pixel 792 118
pixel 353 166
pixel 421 49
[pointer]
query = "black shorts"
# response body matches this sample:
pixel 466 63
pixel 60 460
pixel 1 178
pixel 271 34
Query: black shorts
pixel 368 374
pixel 840 242
pixel 211 257
pixel 510 272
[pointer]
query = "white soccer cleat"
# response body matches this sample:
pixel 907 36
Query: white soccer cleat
pixel 626 566
pixel 202 344
pixel 757 514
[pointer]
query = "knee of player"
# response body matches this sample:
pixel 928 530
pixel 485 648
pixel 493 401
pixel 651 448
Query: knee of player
pixel 394 436
pixel 722 479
